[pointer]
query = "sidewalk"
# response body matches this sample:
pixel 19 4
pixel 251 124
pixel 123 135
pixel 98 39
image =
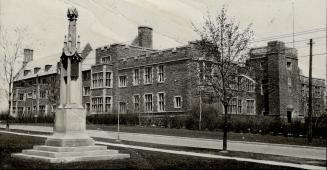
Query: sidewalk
pixel 254 147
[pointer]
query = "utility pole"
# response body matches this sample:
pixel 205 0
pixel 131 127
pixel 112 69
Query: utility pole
pixel 293 24
pixel 200 119
pixel 310 97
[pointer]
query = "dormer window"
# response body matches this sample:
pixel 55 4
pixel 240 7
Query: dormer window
pixel 106 59
pixel 36 69
pixel 47 67
pixel 26 72
pixel 289 65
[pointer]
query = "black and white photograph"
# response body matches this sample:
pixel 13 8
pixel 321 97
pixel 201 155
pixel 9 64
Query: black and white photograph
pixel 163 84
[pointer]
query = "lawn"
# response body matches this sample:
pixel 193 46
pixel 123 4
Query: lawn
pixel 139 159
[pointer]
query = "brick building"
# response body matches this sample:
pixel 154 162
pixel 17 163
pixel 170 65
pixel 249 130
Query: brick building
pixel 137 79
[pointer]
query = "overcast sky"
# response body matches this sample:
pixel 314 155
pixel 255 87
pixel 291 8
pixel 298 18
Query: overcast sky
pixel 102 22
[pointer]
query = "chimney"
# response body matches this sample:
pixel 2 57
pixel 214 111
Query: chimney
pixel 145 37
pixel 28 56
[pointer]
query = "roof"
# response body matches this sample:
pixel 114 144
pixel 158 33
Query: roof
pixel 50 60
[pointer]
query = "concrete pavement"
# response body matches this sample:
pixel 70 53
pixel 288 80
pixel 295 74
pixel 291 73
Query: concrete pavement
pixel 254 147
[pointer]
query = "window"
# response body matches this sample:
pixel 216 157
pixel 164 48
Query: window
pixel 28 109
pixel 42 109
pixel 250 106
pixel 122 107
pixel 108 79
pixel 54 108
pixel 87 106
pixel 97 80
pixel 34 94
pixel 34 108
pixel 317 92
pixel 29 95
pixel 122 81
pixel 21 96
pixel 161 101
pixel 232 106
pixel 20 110
pixel 97 104
pixel 249 86
pixel 288 65
pixel 136 77
pixel 136 102
pixel 86 91
pixel 148 102
pixel 42 94
pixel 161 73
pixel 148 75
pixel 86 75
pixel 177 102
pixel 289 82
pixel 239 107
pixel 106 59
pixel 108 104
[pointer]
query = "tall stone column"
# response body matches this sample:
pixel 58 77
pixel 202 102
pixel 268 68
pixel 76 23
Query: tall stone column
pixel 69 141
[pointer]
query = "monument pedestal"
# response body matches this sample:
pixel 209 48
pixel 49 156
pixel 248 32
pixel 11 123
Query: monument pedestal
pixel 70 142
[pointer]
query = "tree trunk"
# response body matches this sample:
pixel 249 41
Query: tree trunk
pixel 225 129
pixel 9 104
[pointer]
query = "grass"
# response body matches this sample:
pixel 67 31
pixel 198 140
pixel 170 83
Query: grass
pixel 249 137
pixel 139 159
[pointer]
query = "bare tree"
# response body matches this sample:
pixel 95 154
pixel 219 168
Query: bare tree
pixel 11 46
pixel 224 46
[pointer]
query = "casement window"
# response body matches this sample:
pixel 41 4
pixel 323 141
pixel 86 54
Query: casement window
pixel 136 101
pixel 97 104
pixel 97 80
pixel 86 91
pixel 289 83
pixel 21 96
pixel 249 85
pixel 289 65
pixel 239 107
pixel 42 94
pixel 54 108
pixel 34 94
pixel 106 59
pixel 177 102
pixel 317 92
pixel 86 76
pixel 136 77
pixel 122 81
pixel 161 101
pixel 232 106
pixel 250 106
pixel 28 110
pixel 148 75
pixel 42 109
pixel 148 102
pixel 87 106
pixel 108 79
pixel 122 107
pixel 29 95
pixel 108 105
pixel 20 110
pixel 161 74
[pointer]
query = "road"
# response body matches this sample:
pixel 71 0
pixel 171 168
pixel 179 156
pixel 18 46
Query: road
pixel 254 147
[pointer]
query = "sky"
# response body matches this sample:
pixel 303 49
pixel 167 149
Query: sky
pixel 103 22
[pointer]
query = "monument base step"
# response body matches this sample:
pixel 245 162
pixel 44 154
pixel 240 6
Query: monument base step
pixel 53 154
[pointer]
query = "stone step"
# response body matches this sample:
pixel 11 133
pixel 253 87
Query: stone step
pixel 71 159
pixel 68 154
pixel 69 149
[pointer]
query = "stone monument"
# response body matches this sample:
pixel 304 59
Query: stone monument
pixel 70 142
